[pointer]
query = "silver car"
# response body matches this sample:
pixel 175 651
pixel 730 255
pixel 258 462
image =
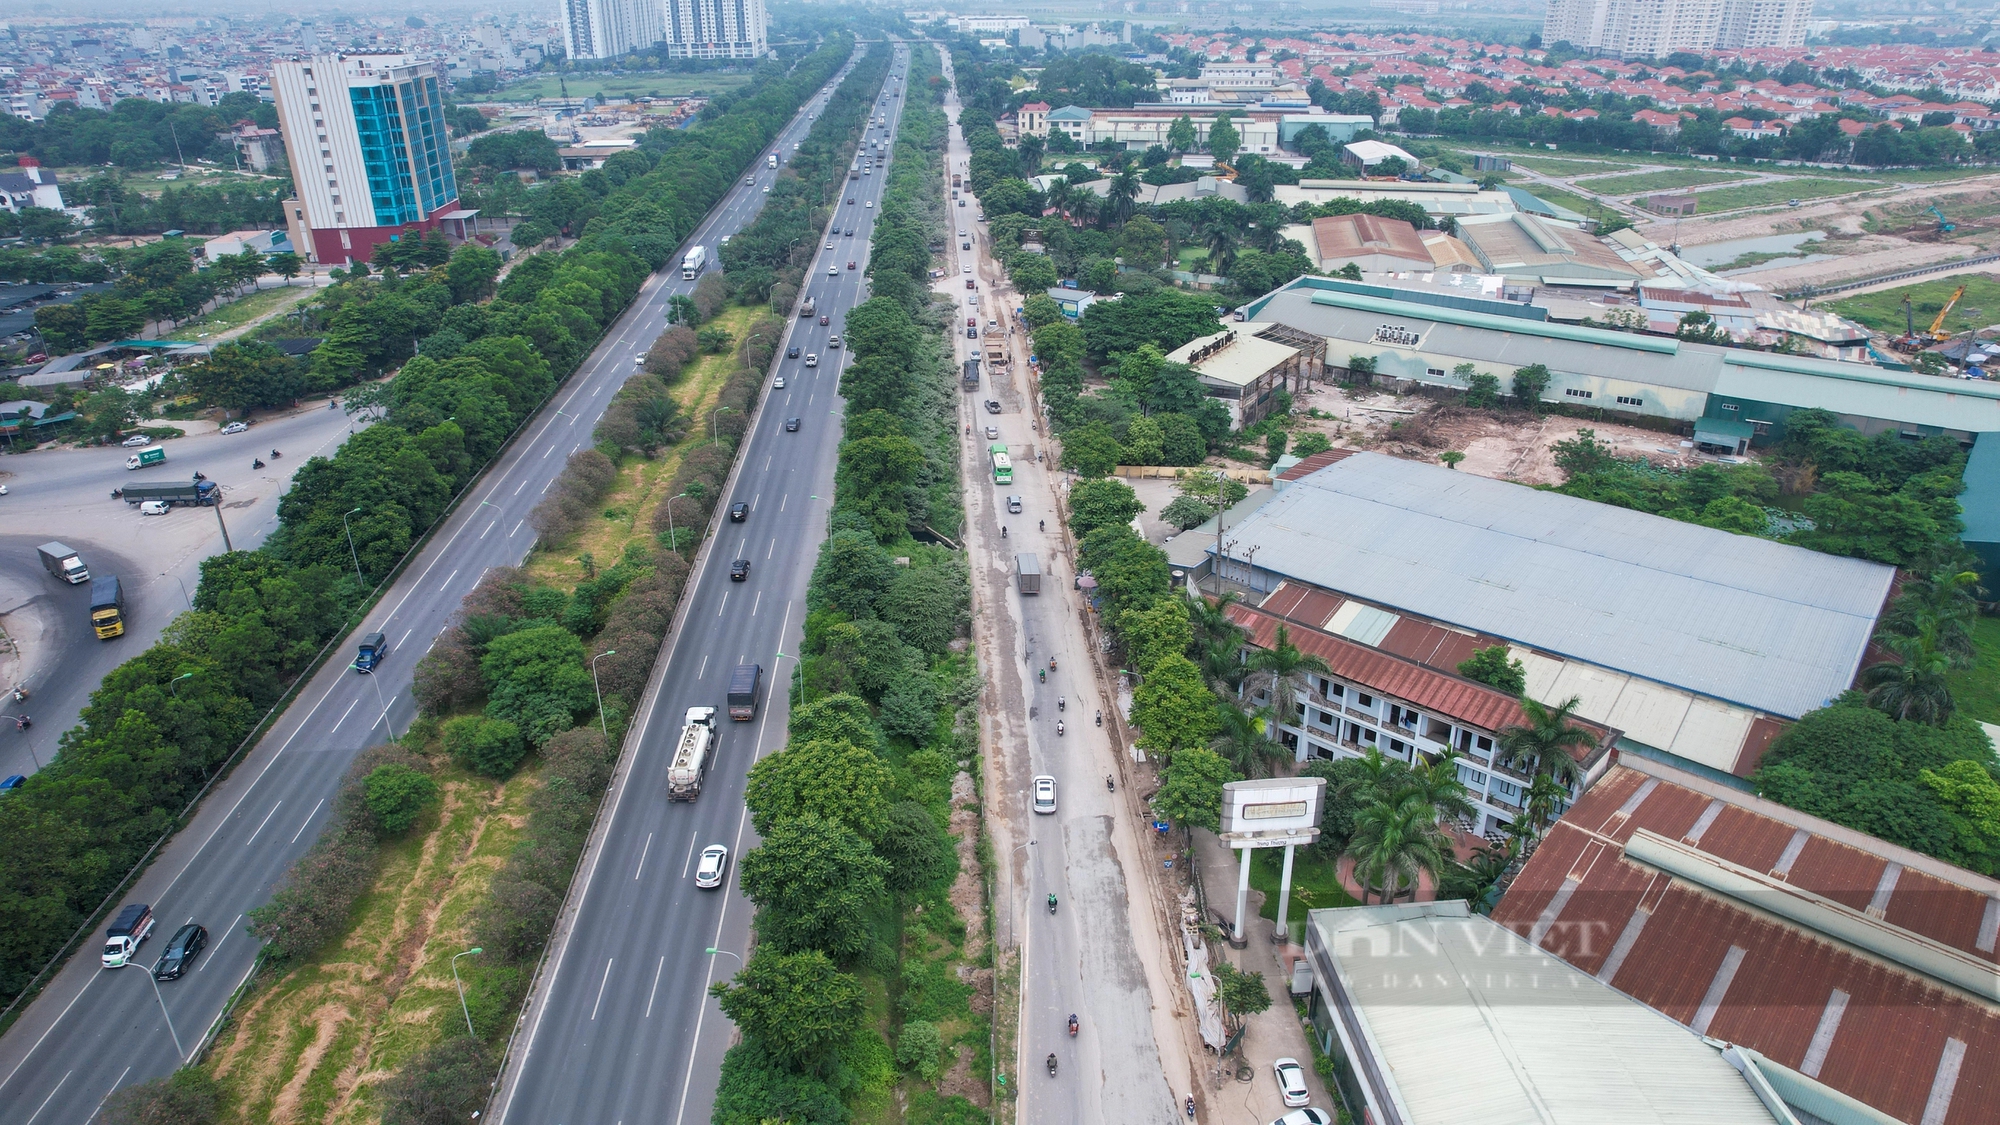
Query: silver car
pixel 1045 794
pixel 713 866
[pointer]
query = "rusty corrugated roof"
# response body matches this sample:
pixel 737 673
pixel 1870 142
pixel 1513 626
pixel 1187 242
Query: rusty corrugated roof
pixel 1913 1046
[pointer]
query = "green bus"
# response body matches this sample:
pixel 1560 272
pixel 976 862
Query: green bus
pixel 1003 465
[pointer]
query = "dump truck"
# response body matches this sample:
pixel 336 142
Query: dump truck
pixel 183 492
pixel 107 607
pixel 145 457
pixel 128 931
pixel 970 379
pixel 691 755
pixel 743 684
pixel 1028 572
pixel 63 563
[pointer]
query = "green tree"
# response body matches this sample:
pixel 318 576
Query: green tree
pixel 1970 798
pixel 397 795
pixel 1173 708
pixel 1393 842
pixel 1100 503
pixel 108 412
pixel 918 1047
pixel 797 1006
pixel 245 375
pixel 1150 634
pixel 1245 742
pixel 1546 744
pixel 536 679
pixel 287 265
pixel 837 780
pixel 927 605
pixel 817 886
pixel 1190 795
pixel 1493 666
pixel 493 747
pixel 1181 134
pixel 1482 392
pixel 444 1083
pixel 1529 384
pixel 1091 451
pixel 1223 139
pixel 1283 671
pixel 63 327
pixel 1242 994
pixel 1912 684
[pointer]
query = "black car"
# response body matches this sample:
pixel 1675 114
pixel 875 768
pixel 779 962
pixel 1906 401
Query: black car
pixel 738 512
pixel 791 425
pixel 180 952
pixel 850 232
pixel 791 353
pixel 972 333
pixel 965 246
pixel 739 570
pixel 992 406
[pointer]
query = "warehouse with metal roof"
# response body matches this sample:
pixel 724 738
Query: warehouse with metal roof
pixel 1443 1017
pixel 1762 625
pixel 1417 339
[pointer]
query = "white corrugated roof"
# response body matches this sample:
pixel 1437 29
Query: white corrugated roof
pixel 1777 628
pixel 1470 1022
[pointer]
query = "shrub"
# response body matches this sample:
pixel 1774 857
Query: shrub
pixel 672 351
pixel 489 746
pixel 516 920
pixel 918 1048
pixel 186 1097
pixel 397 795
pixel 442 1085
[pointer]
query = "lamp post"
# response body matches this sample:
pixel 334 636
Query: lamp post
pixel 673 537
pixel 184 588
pixel 179 1051
pixel 712 951
pixel 175 683
pixel 355 666
pixel 463 1010
pixel 713 416
pixel 351 552
pixel 600 691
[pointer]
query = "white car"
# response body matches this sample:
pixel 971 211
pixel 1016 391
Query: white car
pixel 833 271
pixel 154 508
pixel 1309 1116
pixel 868 203
pixel 137 440
pixel 1045 794
pixel 965 268
pixel 767 190
pixel 714 864
pixel 1292 1082
pixel 961 232
pixel 235 427
pixel 829 244
pixel 992 433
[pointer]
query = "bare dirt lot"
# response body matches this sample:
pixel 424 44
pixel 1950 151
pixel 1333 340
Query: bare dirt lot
pixel 1505 445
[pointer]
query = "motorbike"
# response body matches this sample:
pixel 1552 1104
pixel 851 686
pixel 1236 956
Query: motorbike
pixel 1052 1064
pixel 1042 674
pixel 275 455
pixel 1059 728
pixel 20 693
pixel 1190 1107
pixel 22 722
pixel 1108 787
pixel 1042 525
pixel 1062 703
pixel 256 462
pixel 1052 902
pixel 333 404
pixel 1003 531
pixel 1100 718
pixel 1072 1026
pixel 1052 663
pixel 117 493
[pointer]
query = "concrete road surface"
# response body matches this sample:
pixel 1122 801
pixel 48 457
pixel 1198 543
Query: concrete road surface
pixel 621 1027
pixel 92 1031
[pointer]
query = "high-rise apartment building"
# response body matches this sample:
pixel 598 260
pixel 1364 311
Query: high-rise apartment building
pixel 698 29
pixel 370 151
pixel 1650 29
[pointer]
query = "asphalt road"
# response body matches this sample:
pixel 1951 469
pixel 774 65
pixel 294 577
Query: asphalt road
pixel 621 1028
pixel 92 1031
pixel 1084 959
pixel 65 495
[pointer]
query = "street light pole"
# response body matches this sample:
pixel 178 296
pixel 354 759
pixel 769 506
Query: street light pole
pixel 463 1010
pixel 600 691
pixel 712 951
pixel 179 1051
pixel 713 417
pixel 175 683
pixel 351 552
pixel 356 666
pixel 184 588
pixel 673 537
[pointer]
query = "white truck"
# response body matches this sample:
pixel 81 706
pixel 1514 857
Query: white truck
pixel 691 756
pixel 694 262
pixel 128 931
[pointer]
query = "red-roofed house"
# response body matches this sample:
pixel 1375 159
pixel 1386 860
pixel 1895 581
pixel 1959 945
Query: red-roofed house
pixel 1666 124
pixel 1754 130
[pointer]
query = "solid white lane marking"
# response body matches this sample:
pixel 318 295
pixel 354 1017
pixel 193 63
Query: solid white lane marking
pixel 600 988
pixel 643 853
pixel 661 967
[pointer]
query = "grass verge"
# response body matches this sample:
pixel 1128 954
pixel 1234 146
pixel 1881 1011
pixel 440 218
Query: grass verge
pixel 311 1045
pixel 1315 883
pixel 1882 311
pixel 1552 166
pixel 1776 191
pixel 243 311
pixel 1660 181
pixel 1977 689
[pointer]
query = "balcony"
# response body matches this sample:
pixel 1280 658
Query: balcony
pixel 1499 802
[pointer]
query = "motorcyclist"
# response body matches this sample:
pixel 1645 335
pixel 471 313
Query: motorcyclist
pixel 1062 702
pixel 1059 728
pixel 1052 902
pixel 1003 531
pixel 23 722
pixel 1100 718
pixel 1052 1064
pixel 1072 1023
pixel 256 462
pixel 1042 525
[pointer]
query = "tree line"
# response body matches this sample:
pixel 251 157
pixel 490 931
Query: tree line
pixel 142 752
pixel 852 878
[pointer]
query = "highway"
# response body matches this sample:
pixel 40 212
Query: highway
pixel 621 1028
pixel 65 495
pixel 92 1031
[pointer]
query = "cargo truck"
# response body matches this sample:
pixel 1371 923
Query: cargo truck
pixel 743 691
pixel 189 492
pixel 691 756
pixel 694 262
pixel 854 170
pixel 970 380
pixel 128 931
pixel 1028 573
pixel 63 563
pixel 145 457
pixel 107 607
pixel 772 160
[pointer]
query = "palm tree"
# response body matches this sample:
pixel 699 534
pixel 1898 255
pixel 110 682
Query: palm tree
pixel 1282 668
pixel 1120 200
pixel 1542 746
pixel 1084 205
pixel 1539 808
pixel 1218 641
pixel 1912 685
pixel 1941 601
pixel 1246 742
pixel 1059 195
pixel 1221 241
pixel 1393 842
pixel 1436 783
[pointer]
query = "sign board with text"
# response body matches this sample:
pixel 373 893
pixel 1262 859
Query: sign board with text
pixel 1272 812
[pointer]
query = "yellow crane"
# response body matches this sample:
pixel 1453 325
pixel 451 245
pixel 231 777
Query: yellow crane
pixel 1937 333
pixel 1911 341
